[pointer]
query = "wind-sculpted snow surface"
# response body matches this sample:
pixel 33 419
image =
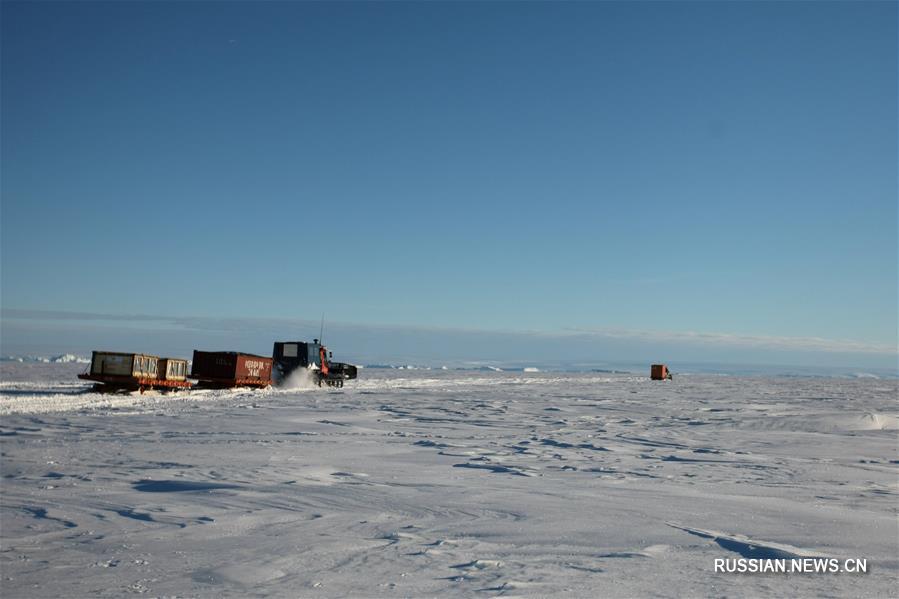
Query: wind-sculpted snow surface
pixel 424 483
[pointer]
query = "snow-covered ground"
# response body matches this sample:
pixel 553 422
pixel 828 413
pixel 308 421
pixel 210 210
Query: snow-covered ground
pixel 419 483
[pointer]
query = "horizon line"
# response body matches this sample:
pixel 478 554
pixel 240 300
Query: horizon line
pixel 777 342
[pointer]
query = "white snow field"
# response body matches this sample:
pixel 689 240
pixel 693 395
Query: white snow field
pixel 426 483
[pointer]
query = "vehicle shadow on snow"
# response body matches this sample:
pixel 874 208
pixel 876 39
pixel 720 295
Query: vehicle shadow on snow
pixel 178 486
pixel 35 392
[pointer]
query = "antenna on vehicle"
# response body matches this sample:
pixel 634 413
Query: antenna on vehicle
pixel 321 331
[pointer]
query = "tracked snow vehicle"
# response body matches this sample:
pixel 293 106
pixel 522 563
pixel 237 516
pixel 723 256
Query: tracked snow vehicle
pixel 290 356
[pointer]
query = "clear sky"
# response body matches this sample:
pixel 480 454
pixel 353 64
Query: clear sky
pixel 676 167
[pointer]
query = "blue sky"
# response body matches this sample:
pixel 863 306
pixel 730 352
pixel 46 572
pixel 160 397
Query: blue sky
pixel 654 168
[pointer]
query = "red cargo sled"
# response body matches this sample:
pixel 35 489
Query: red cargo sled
pixel 224 369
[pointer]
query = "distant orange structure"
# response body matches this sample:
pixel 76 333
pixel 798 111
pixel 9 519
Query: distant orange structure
pixel 659 372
